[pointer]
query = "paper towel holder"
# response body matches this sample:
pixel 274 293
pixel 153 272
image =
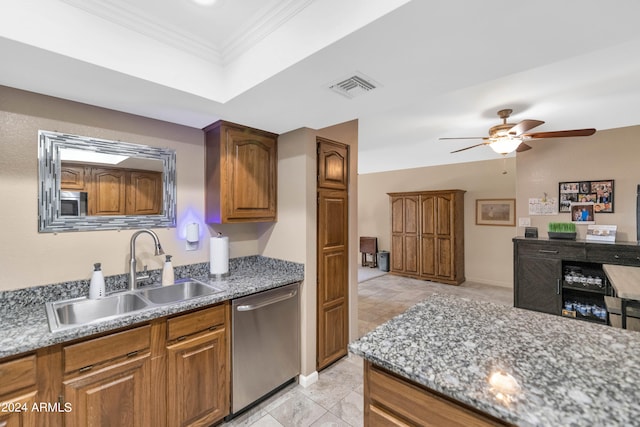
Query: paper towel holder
pixel 224 272
pixel 192 236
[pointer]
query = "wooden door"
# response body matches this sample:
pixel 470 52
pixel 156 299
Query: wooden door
pixel 404 234
pixel 197 389
pixel 144 193
pixel 333 253
pixel 250 179
pixel 108 194
pixel 116 395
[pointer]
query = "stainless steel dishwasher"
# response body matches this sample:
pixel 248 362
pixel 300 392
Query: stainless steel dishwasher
pixel 265 343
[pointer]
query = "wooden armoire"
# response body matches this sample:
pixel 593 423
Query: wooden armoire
pixel 427 235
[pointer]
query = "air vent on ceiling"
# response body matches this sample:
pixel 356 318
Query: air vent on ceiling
pixel 354 86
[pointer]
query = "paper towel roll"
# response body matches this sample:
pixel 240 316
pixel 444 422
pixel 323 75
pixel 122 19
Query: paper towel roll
pixel 219 256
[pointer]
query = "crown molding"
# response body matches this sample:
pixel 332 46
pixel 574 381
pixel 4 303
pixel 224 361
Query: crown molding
pixel 253 30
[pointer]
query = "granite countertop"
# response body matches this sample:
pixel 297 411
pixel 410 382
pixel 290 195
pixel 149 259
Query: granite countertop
pixel 568 372
pixel 24 325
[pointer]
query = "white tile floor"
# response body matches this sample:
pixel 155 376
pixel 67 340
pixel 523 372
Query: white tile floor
pixel 336 398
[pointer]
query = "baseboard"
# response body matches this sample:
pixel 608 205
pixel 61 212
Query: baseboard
pixel 306 381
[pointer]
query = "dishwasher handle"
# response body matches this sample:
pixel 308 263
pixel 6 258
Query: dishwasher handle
pixel 251 307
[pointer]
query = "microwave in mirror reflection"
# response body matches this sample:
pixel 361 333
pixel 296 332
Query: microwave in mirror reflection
pixel 73 203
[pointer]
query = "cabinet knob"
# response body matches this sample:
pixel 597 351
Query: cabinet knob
pixel 616 256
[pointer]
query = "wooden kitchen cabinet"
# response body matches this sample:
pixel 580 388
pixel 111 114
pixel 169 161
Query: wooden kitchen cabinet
pixel 18 392
pixel 72 178
pixel 108 192
pixel 198 367
pixel 124 192
pixel 144 193
pixel 390 400
pixel 241 174
pixel 107 380
pixel 427 235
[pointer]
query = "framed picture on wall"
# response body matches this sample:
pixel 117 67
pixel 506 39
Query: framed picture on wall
pixel 600 193
pixel 496 212
pixel 582 213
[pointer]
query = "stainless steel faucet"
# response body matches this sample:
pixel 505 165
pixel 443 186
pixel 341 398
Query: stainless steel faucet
pixel 133 276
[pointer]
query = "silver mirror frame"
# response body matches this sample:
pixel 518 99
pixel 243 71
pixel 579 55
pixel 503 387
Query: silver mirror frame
pixel 49 219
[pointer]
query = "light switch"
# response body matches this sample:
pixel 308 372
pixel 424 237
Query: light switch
pixel 524 222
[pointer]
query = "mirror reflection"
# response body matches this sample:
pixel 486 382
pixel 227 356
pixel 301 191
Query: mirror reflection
pixel 90 184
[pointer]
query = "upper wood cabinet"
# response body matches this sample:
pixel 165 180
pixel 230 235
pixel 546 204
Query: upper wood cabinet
pixel 241 174
pixel 115 191
pixel 72 178
pixel 427 235
pixel 333 168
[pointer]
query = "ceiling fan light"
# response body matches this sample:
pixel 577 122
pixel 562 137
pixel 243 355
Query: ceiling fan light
pixel 505 145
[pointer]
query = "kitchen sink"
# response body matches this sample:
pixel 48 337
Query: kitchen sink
pixel 79 311
pixel 180 291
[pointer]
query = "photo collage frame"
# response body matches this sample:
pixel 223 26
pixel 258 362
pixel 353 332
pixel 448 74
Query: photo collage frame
pixel 584 199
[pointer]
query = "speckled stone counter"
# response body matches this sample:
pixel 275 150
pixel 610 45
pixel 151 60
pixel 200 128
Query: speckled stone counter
pixel 568 372
pixel 23 320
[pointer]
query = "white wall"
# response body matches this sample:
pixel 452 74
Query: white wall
pixel 488 249
pixel 29 258
pixel 609 154
pixel 294 236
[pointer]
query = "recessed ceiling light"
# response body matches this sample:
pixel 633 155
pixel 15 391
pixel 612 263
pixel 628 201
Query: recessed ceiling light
pixel 205 2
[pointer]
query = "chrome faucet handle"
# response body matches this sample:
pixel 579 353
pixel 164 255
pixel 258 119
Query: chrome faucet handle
pixel 143 275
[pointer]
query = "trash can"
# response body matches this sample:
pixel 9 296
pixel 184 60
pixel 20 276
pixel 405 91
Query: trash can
pixel 383 260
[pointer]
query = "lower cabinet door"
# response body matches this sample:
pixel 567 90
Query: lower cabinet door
pixel 537 284
pixel 116 395
pixel 18 411
pixel 197 386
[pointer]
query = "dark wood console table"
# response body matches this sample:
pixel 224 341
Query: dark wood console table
pixel 369 246
pixel 545 271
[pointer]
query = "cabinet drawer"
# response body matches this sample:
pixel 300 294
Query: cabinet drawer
pixel 103 349
pixel 414 404
pixel 189 324
pixel 616 254
pixel 17 374
pixel 564 251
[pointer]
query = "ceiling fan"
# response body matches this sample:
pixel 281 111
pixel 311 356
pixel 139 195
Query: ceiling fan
pixel 508 137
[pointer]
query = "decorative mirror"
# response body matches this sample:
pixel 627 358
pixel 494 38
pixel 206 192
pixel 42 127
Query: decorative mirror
pixel 90 184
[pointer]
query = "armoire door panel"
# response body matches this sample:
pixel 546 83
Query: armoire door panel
pixel 444 207
pixel 428 213
pixel 445 259
pixel 411 215
pixel 428 263
pixel 411 254
pixel 397 215
pixel 397 252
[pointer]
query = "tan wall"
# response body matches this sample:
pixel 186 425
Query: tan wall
pixel 29 258
pixel 294 238
pixel 610 154
pixel 488 251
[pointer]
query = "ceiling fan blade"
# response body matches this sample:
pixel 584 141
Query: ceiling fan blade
pixel 467 137
pixel 466 148
pixel 522 147
pixel 560 134
pixel 524 126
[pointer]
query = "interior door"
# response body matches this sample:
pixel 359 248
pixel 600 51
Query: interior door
pixel 333 253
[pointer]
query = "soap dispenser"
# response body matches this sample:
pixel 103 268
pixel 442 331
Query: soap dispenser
pixel 96 286
pixel 167 272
